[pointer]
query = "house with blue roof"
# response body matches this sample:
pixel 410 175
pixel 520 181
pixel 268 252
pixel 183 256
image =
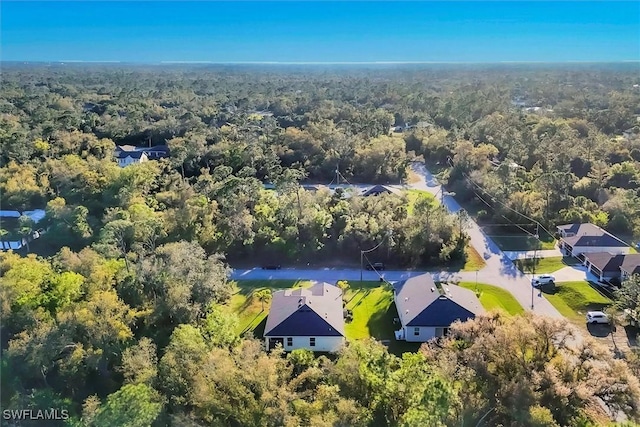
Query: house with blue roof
pixel 310 318
pixel 426 312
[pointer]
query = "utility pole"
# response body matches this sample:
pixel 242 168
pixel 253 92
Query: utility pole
pixel 535 254
pixel 361 263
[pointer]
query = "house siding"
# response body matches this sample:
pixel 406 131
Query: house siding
pixel 328 344
pixel 591 249
pixel 425 334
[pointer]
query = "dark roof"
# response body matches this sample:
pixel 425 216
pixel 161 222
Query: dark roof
pixel 420 303
pixel 155 148
pixel 379 189
pixel 631 264
pixel 133 149
pixel 132 154
pixel 589 235
pixel 314 311
pixel 605 261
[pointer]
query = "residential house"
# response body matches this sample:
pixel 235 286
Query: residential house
pixel 310 318
pixel 630 266
pixel 156 152
pixel 426 312
pixel 126 158
pixel 376 190
pixel 578 239
pixel 36 216
pixel 130 154
pixel 607 267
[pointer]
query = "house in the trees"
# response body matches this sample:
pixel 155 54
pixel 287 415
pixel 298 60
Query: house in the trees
pixel 126 158
pixel 578 239
pixel 310 318
pixel 130 154
pixel 10 219
pixel 426 312
pixel 376 190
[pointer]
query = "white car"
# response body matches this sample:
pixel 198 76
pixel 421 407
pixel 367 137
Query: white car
pixel 597 317
pixel 543 279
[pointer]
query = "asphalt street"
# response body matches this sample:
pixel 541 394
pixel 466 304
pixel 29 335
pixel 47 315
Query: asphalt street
pixel 498 271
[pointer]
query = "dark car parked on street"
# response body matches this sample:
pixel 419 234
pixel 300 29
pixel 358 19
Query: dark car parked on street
pixel 379 266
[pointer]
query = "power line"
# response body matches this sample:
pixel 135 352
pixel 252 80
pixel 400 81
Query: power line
pixel 505 205
pixel 372 267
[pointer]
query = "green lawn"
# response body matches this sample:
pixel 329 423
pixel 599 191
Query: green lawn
pixel 474 260
pixel 414 195
pixel 493 297
pixel 370 303
pixel 373 313
pixel 574 299
pixel 545 265
pixel 522 242
pixel 249 310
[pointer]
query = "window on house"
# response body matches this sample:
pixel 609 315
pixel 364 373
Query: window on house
pixel 441 332
pixel 289 341
pixel 416 331
pixel 312 342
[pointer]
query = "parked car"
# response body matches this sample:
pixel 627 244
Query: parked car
pixel 376 266
pixel 597 317
pixel 543 279
pixel 271 267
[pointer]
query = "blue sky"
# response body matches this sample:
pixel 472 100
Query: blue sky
pixel 320 31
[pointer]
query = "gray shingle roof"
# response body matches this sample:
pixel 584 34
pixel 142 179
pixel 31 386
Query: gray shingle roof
pixel 314 311
pixel 589 235
pixel 631 264
pixel 420 303
pixel 132 154
pixel 605 261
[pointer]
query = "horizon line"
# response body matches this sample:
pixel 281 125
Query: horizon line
pixel 76 61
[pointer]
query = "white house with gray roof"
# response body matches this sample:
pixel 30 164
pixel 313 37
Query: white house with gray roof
pixel 579 239
pixel 310 318
pixel 425 312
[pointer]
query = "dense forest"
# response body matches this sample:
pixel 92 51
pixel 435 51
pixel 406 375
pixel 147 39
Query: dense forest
pixel 122 315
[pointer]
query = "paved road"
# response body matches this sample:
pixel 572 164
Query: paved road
pixel 547 253
pixel 500 270
pixel 332 275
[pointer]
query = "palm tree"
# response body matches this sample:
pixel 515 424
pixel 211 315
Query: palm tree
pixel 263 295
pixel 344 286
